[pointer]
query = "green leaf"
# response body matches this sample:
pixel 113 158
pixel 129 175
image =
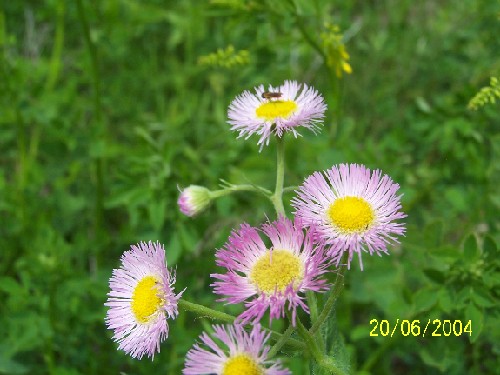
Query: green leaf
pixel 475 315
pixel 456 198
pixel 103 149
pixel 444 254
pixel 9 285
pixel 60 370
pixel 424 299
pixel 435 275
pixel 433 233
pixel 187 238
pixel 360 332
pixel 334 342
pixel 446 301
pixel 423 104
pixel 174 250
pixel 490 249
pixel 482 298
pixel 434 359
pixel 129 197
pixel 462 298
pixel 491 279
pixel 471 250
pixel 8 366
pixel 157 214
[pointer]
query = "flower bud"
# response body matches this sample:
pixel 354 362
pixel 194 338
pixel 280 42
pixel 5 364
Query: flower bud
pixel 193 200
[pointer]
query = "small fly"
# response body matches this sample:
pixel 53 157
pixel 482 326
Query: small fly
pixel 270 95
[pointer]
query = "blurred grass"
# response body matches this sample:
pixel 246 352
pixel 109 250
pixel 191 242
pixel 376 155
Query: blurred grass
pixel 104 111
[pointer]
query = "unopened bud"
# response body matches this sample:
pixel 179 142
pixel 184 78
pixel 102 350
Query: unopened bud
pixel 193 200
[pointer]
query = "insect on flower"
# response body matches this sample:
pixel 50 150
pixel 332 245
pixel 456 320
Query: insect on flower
pixel 289 107
pixel 269 95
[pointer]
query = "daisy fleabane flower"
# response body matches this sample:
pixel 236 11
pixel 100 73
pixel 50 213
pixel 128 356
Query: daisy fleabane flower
pixel 352 209
pixel 141 299
pixel 247 354
pixel 269 278
pixel 276 111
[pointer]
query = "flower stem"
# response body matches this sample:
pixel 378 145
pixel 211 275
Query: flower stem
pixel 228 188
pixel 206 312
pixel 327 308
pixel 277 197
pixel 322 359
pixel 282 341
pixel 313 305
pixel 289 189
pixel 313 313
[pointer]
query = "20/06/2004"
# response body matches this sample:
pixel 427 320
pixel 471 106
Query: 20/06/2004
pixel 439 327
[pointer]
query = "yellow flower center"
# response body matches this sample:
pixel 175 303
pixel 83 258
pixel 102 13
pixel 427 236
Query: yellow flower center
pixel 276 270
pixel 242 364
pixel 274 109
pixel 145 300
pixel 351 214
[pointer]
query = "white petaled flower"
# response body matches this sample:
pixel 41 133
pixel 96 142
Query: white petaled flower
pixel 276 111
pixel 352 209
pixel 274 278
pixel 247 354
pixel 141 299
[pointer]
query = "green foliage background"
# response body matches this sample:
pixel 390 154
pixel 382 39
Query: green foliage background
pixel 105 110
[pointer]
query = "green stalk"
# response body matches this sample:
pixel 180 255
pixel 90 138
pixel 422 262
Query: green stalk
pixel 206 312
pixel 330 302
pixel 93 60
pixel 228 188
pixel 312 302
pixel 3 33
pixel 313 305
pixel 55 60
pixel 377 354
pixel 322 360
pixel 277 197
pixel 99 129
pixel 21 166
pixel 282 341
pixel 289 189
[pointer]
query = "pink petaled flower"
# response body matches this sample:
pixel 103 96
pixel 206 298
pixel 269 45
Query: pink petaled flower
pixel 276 111
pixel 269 278
pixel 352 209
pixel 247 354
pixel 141 299
pixel 193 200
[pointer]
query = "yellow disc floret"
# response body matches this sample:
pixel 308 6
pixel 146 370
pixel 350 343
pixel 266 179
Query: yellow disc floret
pixel 145 299
pixel 275 270
pixel 269 111
pixel 351 214
pixel 242 364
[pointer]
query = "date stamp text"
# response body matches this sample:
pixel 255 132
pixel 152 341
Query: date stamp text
pixel 434 328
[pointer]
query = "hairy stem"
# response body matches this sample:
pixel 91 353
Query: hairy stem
pixel 330 302
pixel 206 312
pixel 228 188
pixel 282 341
pixel 322 360
pixel 277 197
